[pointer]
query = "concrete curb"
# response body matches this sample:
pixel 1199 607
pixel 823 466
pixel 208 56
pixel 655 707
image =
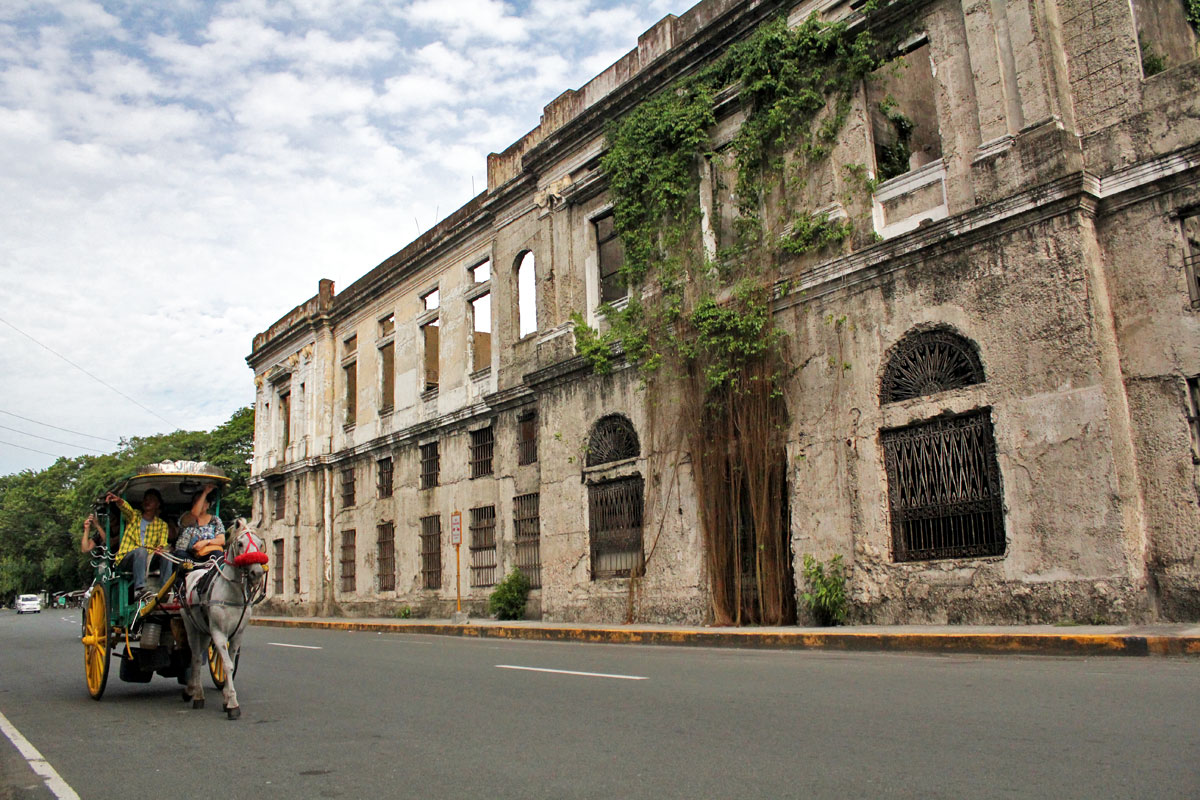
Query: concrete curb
pixel 839 639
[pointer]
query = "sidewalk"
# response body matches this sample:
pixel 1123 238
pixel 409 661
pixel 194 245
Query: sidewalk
pixel 1083 640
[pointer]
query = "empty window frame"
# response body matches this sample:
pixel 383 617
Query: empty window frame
pixel 431 552
pixel 430 465
pixel 347 487
pixel 527 451
pixel 901 100
pixel 944 489
pixel 1193 415
pixel 279 500
pixel 527 536
pixel 387 325
pixel 482 447
pixel 481 272
pixel 384 478
pixel 481 332
pixel 527 321
pixel 615 527
pixel 483 546
pixel 387 377
pixel 610 255
pixel 350 381
pixel 385 556
pixel 430 300
pixel 430 345
pixel 285 420
pixel 348 560
pixel 296 565
pixel 1191 255
pixel 278 566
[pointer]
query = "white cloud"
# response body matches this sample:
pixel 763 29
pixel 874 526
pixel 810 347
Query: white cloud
pixel 178 175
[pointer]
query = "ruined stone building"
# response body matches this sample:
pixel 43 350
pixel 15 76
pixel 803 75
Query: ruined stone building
pixel 993 413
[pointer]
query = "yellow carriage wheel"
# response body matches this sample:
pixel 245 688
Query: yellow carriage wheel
pixel 216 667
pixel 96 652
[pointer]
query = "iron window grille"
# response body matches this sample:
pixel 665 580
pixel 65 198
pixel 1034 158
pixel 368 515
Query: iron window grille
pixel 944 489
pixel 612 439
pixel 482 446
pixel 385 556
pixel 929 362
pixel 384 477
pixel 615 523
pixel 348 560
pixel 483 546
pixel 296 565
pixel 430 465
pixel 527 534
pixel 527 452
pixel 431 552
pixel 279 500
pixel 348 487
pixel 279 566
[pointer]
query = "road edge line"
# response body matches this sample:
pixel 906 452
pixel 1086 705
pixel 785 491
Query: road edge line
pixel 54 782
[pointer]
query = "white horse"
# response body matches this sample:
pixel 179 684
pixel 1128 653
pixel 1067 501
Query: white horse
pixel 218 608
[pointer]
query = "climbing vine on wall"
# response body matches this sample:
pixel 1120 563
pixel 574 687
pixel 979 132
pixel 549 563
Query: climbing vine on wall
pixel 699 323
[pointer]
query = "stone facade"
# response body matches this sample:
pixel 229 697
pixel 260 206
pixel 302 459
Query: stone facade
pixel 1050 224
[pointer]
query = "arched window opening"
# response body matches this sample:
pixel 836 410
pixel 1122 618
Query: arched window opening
pixel 929 362
pixel 527 321
pixel 612 439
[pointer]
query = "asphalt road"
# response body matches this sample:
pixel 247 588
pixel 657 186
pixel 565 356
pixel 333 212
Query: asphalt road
pixel 370 715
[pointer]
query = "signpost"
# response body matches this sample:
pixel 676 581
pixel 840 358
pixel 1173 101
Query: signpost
pixel 456 540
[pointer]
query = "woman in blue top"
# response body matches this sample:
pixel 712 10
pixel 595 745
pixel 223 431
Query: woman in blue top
pixel 201 533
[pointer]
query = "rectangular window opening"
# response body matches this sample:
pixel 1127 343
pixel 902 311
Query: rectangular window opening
pixel 430 300
pixel 615 524
pixel 279 500
pixel 285 419
pixel 431 552
pixel 296 565
pixel 429 339
pixel 351 382
pixel 385 556
pixel 279 566
pixel 527 452
pixel 348 559
pixel 387 377
pixel 387 326
pixel 610 253
pixel 430 465
pixel 481 272
pixel 901 100
pixel 1191 256
pixel 348 487
pixel 944 489
pixel 482 447
pixel 481 337
pixel 384 480
pixel 1193 415
pixel 527 534
pixel 483 546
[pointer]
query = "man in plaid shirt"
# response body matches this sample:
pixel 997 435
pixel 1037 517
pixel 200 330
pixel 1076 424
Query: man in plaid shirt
pixel 144 533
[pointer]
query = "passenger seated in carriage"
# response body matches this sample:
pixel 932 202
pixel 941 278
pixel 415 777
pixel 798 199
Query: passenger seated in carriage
pixel 201 534
pixel 146 534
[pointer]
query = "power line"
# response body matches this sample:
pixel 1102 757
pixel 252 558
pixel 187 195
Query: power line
pixel 85 372
pixel 31 449
pixel 45 439
pixel 57 428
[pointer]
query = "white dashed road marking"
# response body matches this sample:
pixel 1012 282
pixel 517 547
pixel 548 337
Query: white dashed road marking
pixel 571 672
pixel 298 646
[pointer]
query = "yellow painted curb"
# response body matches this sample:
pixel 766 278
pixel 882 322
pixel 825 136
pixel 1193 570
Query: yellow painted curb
pixel 844 639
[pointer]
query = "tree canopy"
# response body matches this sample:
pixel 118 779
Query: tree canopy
pixel 42 512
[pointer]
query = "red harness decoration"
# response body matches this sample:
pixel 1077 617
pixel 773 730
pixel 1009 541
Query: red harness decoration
pixel 253 554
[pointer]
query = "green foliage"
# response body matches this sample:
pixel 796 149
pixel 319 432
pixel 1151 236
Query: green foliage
pixel 509 597
pixel 826 598
pixel 811 232
pixel 893 157
pixel 1152 61
pixel 42 512
pixel 1193 13
pixel 403 612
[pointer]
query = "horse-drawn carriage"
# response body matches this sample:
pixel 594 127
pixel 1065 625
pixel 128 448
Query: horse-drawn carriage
pixel 155 632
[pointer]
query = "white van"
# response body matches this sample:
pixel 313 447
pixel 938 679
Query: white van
pixel 28 602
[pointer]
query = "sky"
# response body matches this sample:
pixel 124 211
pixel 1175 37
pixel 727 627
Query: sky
pixel 177 175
